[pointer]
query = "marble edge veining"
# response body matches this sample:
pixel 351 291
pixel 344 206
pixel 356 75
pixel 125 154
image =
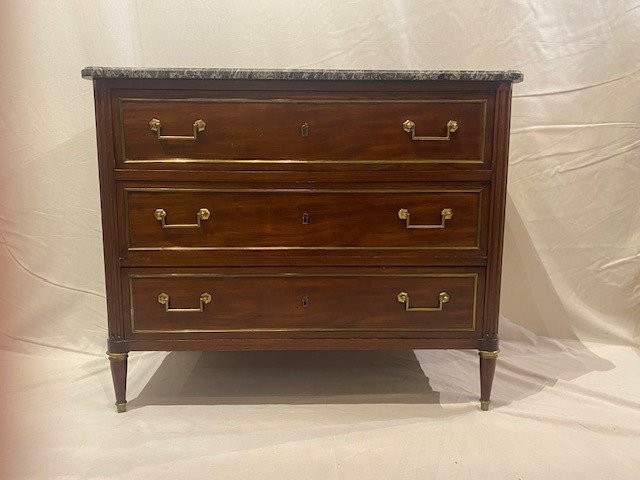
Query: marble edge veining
pixel 264 74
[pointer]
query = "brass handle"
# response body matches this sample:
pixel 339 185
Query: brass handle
pixel 156 126
pixel 404 214
pixel 443 297
pixel 161 216
pixel 410 127
pixel 163 299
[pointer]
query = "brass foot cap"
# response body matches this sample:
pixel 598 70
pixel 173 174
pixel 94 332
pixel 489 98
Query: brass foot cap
pixel 122 407
pixel 484 405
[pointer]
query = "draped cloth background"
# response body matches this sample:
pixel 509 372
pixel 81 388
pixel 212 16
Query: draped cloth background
pixel 567 391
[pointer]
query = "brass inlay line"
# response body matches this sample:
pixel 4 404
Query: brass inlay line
pixel 122 100
pixel 307 190
pixel 472 328
pixel 278 248
pixel 295 161
pixel 313 101
pixel 127 191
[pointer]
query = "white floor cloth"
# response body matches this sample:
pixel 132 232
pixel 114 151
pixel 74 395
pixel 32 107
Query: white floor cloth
pixel 567 388
pixel 561 409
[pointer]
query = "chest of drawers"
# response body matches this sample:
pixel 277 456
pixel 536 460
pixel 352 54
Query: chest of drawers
pixel 273 210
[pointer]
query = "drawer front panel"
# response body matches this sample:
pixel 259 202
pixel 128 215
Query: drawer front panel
pixel 450 132
pixel 447 219
pixel 304 302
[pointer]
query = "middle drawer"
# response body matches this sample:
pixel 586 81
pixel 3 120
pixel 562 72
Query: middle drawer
pixel 443 218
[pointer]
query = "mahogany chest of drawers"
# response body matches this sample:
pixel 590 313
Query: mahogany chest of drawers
pixel 271 210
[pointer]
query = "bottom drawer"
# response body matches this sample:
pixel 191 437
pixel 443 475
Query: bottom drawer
pixel 254 301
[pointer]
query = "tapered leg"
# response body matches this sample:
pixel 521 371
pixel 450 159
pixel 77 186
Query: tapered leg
pixel 487 369
pixel 119 374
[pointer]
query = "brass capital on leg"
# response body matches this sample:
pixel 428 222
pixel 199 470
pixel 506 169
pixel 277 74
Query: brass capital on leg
pixel 488 354
pixel 117 357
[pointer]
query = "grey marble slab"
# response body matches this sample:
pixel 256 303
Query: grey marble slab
pixel 260 74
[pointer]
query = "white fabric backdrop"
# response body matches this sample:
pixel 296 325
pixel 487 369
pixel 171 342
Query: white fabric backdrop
pixel 572 246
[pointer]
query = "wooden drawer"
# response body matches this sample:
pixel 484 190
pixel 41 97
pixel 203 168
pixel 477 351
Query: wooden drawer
pixel 288 131
pixel 304 301
pixel 438 218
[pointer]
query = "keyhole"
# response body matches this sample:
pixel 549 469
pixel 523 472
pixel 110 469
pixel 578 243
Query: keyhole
pixel 305 219
pixel 305 302
pixel 304 129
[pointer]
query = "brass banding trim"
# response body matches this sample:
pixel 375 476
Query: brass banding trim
pixel 127 191
pixel 296 161
pixel 125 160
pixel 471 328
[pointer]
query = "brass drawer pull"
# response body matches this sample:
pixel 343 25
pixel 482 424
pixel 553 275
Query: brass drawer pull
pixel 410 127
pixel 156 126
pixel 203 214
pixel 404 214
pixel 163 299
pixel 443 297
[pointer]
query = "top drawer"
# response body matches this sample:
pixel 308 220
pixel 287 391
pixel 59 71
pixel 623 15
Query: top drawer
pixel 179 132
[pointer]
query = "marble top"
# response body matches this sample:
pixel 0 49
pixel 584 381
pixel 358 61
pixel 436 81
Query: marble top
pixel 250 74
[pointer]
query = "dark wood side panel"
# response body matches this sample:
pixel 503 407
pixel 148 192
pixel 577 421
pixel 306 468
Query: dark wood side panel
pixel 496 220
pixel 106 169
